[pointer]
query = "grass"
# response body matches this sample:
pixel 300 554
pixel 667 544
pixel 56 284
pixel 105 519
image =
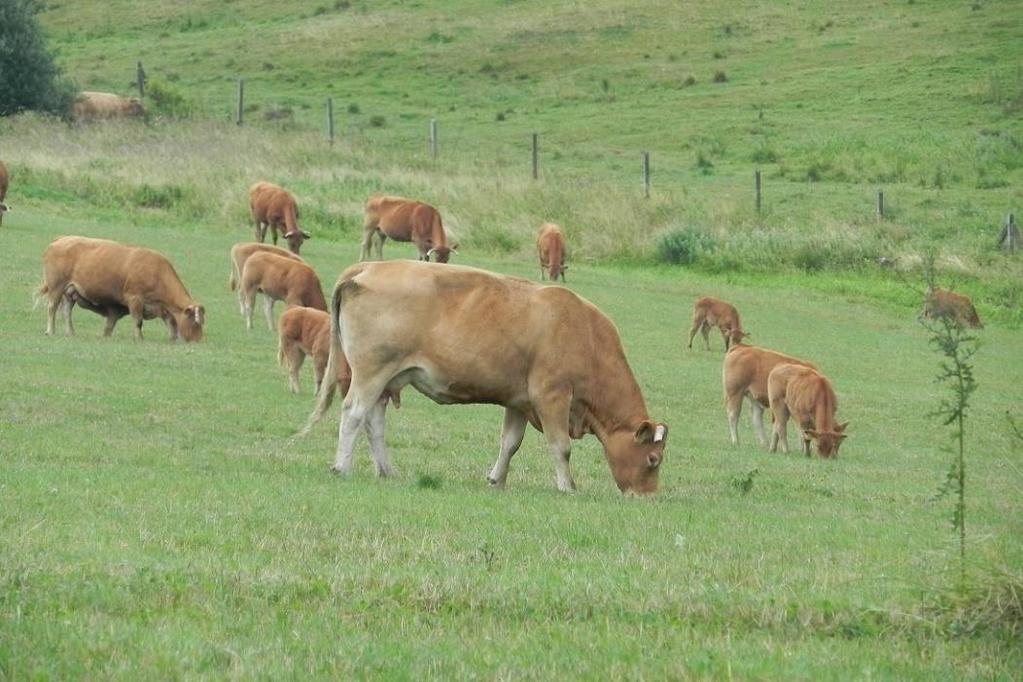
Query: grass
pixel 157 516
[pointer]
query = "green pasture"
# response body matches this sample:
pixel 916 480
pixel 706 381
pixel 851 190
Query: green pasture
pixel 158 519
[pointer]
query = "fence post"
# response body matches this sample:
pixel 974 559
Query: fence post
pixel 330 120
pixel 646 174
pixel 433 137
pixel 140 79
pixel 241 100
pixel 1010 235
pixel 880 205
pixel 536 158
pixel 756 187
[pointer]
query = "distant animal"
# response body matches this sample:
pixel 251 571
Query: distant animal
pixel 115 280
pixel 240 253
pixel 5 180
pixel 711 312
pixel 550 247
pixel 744 375
pixel 461 335
pixel 274 207
pixel 404 220
pixel 806 395
pixel 279 279
pixel 944 303
pixel 90 106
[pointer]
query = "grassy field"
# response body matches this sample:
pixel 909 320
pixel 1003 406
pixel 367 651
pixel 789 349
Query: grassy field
pixel 157 517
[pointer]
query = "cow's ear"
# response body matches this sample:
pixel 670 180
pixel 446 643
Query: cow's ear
pixel 454 247
pixel 841 427
pixel 305 234
pixel 645 432
pixel 811 433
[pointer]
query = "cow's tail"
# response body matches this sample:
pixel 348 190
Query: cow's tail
pixel 437 230
pixel 328 388
pixel 235 275
pixel 40 295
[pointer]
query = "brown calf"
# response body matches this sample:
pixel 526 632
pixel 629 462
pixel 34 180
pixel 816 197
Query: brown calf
pixel 275 207
pixel 807 396
pixel 404 220
pixel 744 375
pixel 100 105
pixel 5 179
pixel 944 303
pixel 279 279
pixel 711 312
pixel 240 253
pixel 550 247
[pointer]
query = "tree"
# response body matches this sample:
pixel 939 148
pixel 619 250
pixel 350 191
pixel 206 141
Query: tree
pixel 29 77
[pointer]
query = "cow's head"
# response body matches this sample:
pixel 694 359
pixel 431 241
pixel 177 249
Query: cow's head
pixel 635 457
pixel 134 108
pixel 734 337
pixel 443 253
pixel 557 269
pixel 828 441
pixel 190 322
pixel 295 239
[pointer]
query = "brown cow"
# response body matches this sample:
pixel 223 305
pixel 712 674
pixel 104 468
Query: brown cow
pixel 279 279
pixel 404 220
pixel 104 105
pixel 275 207
pixel 115 280
pixel 944 303
pixel 807 395
pixel 240 253
pixel 5 179
pixel 711 312
pixel 744 375
pixel 446 331
pixel 550 247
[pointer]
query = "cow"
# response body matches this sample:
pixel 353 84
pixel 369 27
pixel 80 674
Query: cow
pixel 744 375
pixel 240 253
pixel 115 280
pixel 279 279
pixel 712 312
pixel 91 106
pixel 943 303
pixel 806 395
pixel 5 180
pixel 550 247
pixel 404 220
pixel 275 207
pixel 460 335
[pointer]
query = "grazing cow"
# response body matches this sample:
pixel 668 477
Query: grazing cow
pixel 711 312
pixel 275 207
pixel 550 247
pixel 92 106
pixel 279 279
pixel 461 335
pixel 944 303
pixel 404 220
pixel 115 280
pixel 744 374
pixel 5 179
pixel 806 395
pixel 240 253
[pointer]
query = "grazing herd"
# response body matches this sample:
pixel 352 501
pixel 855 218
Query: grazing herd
pixel 456 334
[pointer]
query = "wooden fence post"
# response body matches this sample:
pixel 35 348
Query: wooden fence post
pixel 241 101
pixel 880 205
pixel 1010 240
pixel 330 120
pixel 756 187
pixel 536 158
pixel 140 79
pixel 646 174
pixel 433 137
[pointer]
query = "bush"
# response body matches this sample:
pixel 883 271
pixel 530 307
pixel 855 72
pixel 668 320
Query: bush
pixel 377 121
pixel 720 77
pixel 684 246
pixel 166 100
pixel 29 78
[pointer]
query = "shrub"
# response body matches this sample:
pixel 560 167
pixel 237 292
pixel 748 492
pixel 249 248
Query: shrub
pixel 688 81
pixel 683 246
pixel 720 77
pixel 377 121
pixel 764 155
pixel 353 108
pixel 29 78
pixel 167 100
pixel 147 196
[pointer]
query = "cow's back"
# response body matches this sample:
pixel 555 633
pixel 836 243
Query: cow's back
pixel 746 369
pixel 5 179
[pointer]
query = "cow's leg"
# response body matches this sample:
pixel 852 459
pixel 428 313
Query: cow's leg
pixel 136 309
pixel 268 311
pixel 51 310
pixel 806 442
pixel 511 438
pixel 260 232
pixel 319 369
pixel 733 405
pixel 758 422
pixel 375 432
pixel 781 419
pixel 554 418
pixel 67 305
pixel 705 331
pixel 112 318
pixel 365 253
pixel 273 232
pixel 250 302
pixel 380 239
pixel 294 357
pixel 692 331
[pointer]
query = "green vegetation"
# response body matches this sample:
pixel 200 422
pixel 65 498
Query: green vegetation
pixel 29 78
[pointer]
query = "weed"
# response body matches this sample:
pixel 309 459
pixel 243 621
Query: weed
pixel 377 121
pixel 720 77
pixel 744 483
pixel 353 108
pixel 683 246
pixel 689 81
pixel 428 482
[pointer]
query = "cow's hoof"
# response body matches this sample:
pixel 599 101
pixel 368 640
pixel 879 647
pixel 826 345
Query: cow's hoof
pixel 494 483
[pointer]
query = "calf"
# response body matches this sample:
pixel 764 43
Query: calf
pixel 275 207
pixel 404 220
pixel 806 395
pixel 550 247
pixel 944 303
pixel 5 179
pixel 744 375
pixel 103 105
pixel 279 279
pixel 240 253
pixel 115 280
pixel 711 312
